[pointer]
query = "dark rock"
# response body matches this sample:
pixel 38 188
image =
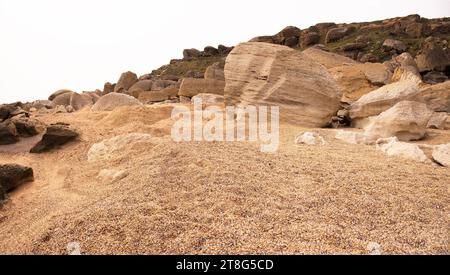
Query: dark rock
pixel 2 195
pixel 224 50
pixel 191 53
pixel 8 133
pixel 309 39
pixel 433 57
pixel 125 82
pixel 291 42
pixel 354 46
pixel 369 57
pixel 194 74
pixel 108 88
pixel 25 127
pixel 264 39
pixel 210 51
pixel 394 45
pixel 8 111
pixel 13 175
pixel 434 77
pixel 56 135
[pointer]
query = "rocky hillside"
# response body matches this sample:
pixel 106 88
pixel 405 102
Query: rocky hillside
pixel 364 42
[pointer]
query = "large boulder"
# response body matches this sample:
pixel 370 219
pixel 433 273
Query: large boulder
pixel 63 99
pixel 80 101
pixel 158 96
pixel 113 100
pixel 58 93
pixel 125 82
pixel 266 74
pixel 380 100
pixel 407 121
pixel 25 126
pixel 441 154
pixel 13 175
pixel 193 86
pixel 55 136
pixel 432 57
pixel 437 96
pixel 8 133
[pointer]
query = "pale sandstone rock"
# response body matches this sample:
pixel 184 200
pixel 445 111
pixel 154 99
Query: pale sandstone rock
pixel 310 138
pixel 108 148
pixel 208 99
pixel 393 148
pixel 441 154
pixel 215 72
pixel 407 121
pixel 111 175
pixel 353 137
pixel 384 98
pixel 274 75
pixel 328 59
pixel 113 100
pixel 437 96
pixel 79 101
pixel 193 86
pixel 438 121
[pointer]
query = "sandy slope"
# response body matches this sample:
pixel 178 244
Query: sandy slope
pixel 222 198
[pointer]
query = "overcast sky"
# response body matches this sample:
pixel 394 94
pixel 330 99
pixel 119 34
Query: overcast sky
pixel 48 45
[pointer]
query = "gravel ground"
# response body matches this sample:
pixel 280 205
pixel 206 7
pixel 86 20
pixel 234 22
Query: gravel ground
pixel 222 198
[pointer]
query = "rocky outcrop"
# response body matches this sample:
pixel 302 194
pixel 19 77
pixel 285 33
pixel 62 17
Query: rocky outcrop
pixel 126 81
pixel 407 121
pixel 25 126
pixel 158 96
pixel 438 121
pixel 437 96
pixel 266 74
pixel 13 175
pixel 380 100
pixel 113 100
pixel 336 34
pixel 55 136
pixel 432 57
pixel 191 87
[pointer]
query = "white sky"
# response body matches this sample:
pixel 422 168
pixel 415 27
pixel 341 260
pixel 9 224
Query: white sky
pixel 48 45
